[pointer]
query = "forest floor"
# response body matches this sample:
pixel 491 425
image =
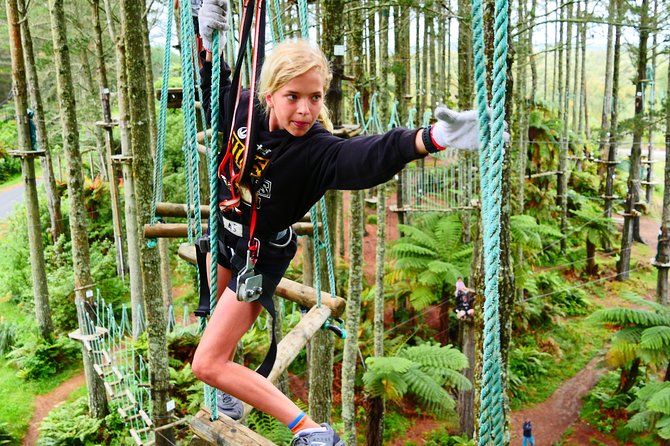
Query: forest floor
pixel 551 418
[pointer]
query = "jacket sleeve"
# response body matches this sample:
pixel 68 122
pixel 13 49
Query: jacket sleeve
pixel 206 87
pixel 360 162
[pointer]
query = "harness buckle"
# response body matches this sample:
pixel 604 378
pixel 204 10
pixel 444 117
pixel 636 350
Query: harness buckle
pixel 249 284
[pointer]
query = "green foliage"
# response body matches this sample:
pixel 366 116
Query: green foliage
pixel 425 370
pixel 525 362
pixel 431 256
pixel 37 358
pixel 269 427
pixel 643 334
pixel 653 410
pixel 186 389
pixel 70 424
pixel 5 437
pixel 441 437
pixel 560 297
pixel 9 165
pixel 395 425
pixel 8 336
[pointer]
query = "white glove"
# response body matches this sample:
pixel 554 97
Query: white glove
pixel 459 130
pixel 213 16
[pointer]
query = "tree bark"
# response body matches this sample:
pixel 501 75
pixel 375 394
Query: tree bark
pixel 38 269
pixel 83 282
pixel 375 419
pixel 332 23
pixel 53 198
pixel 663 249
pixel 562 189
pixel 633 196
pixel 465 70
pixel 103 85
pixel 350 357
pixel 132 229
pixel 591 266
pixel 142 167
pixel 609 74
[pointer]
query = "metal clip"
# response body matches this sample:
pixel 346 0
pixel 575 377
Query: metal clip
pixel 249 284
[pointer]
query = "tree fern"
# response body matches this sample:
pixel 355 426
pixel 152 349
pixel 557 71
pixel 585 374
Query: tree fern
pixel 656 338
pixel 642 421
pixel 653 406
pixel 426 371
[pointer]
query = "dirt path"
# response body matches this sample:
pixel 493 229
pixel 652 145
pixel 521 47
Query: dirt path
pixel 44 404
pixel 553 416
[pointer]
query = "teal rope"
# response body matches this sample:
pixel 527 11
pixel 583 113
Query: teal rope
pixel 280 25
pixel 491 142
pixel 394 120
pixel 188 109
pixel 162 120
pixel 410 118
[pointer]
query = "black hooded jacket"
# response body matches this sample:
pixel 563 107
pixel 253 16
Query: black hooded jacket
pixel 291 173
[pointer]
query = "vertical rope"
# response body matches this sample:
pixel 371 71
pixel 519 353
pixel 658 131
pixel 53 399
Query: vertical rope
pixel 491 143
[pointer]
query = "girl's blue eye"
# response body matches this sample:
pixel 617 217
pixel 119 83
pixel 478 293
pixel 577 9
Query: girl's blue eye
pixel 316 98
pixel 291 97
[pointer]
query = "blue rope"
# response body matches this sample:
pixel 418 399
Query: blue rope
pixel 491 143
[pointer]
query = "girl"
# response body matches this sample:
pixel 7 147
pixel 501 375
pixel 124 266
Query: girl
pixel 296 161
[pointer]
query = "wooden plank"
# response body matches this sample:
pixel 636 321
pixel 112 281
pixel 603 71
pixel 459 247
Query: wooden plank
pixel 225 431
pixel 288 289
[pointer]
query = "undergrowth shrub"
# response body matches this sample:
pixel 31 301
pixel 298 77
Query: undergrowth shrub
pixel 441 437
pixel 5 437
pixel 395 425
pixel 8 337
pixel 525 363
pixel 70 424
pixel 270 428
pixel 38 358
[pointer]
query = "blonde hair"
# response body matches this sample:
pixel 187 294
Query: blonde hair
pixel 290 59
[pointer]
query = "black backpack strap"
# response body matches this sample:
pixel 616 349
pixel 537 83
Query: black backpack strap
pixel 201 250
pixel 266 366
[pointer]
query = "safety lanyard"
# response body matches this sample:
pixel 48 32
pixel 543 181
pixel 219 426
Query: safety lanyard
pixel 238 175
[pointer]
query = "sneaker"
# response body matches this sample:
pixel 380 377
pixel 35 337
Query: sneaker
pixel 317 436
pixel 229 405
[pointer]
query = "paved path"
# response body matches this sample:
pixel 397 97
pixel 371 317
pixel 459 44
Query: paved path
pixel 10 197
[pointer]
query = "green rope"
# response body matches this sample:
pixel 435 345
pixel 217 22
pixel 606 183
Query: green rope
pixel 491 143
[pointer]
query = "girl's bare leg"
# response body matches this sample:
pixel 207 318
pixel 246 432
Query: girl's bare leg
pixel 212 362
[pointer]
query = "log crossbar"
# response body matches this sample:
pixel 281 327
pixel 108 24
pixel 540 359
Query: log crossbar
pixel 180 230
pixel 225 431
pixel 288 289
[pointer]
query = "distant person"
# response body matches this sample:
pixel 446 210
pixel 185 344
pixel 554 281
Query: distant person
pixel 464 300
pixel 528 433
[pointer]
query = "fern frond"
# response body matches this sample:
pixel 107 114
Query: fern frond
pixel 641 422
pixel 663 428
pixel 628 316
pixel 435 356
pixel 660 401
pixel 403 249
pixel 421 297
pixel 656 338
pixel 427 390
pixel 386 377
pixel 421 237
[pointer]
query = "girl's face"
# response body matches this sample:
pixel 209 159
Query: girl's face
pixel 296 106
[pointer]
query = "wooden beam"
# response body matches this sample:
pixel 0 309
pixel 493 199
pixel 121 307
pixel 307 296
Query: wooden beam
pixel 180 230
pixel 288 289
pixel 225 431
pixel 178 210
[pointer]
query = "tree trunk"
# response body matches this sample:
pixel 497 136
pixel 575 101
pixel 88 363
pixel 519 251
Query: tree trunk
pixel 575 80
pixel 93 115
pixel 83 281
pixel 628 376
pixel 322 344
pixel 663 250
pixel 103 85
pixel 466 413
pixel 142 167
pixel 333 34
pixel 591 266
pixel 53 198
pixel 132 230
pixel 375 419
pixel 39 277
pixel 633 196
pixel 583 105
pixel 614 120
pixel 350 357
pixel 609 73
pixel 465 70
pixel 562 190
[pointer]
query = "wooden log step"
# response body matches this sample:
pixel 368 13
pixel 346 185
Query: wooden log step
pixel 110 391
pixel 123 411
pixel 288 289
pixel 146 418
pixel 135 433
pixel 180 230
pixel 225 431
